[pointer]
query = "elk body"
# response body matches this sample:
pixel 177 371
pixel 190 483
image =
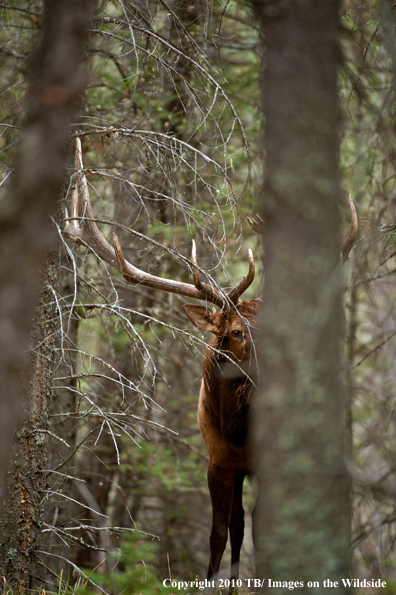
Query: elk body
pixel 228 369
pixel 223 415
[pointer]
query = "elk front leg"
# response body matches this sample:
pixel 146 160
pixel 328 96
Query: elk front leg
pixel 236 525
pixel 221 487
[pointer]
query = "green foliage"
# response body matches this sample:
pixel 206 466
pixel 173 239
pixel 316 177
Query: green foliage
pixel 157 471
pixel 137 559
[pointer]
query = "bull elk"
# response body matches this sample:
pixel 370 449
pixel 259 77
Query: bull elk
pixel 227 372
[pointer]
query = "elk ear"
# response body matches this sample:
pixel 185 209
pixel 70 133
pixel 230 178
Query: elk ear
pixel 205 319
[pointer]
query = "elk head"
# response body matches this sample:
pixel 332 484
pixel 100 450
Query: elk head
pixel 233 328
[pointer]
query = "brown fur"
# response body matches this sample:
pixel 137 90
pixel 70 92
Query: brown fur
pixel 223 415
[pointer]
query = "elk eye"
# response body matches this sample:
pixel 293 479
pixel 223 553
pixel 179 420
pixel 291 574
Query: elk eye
pixel 236 333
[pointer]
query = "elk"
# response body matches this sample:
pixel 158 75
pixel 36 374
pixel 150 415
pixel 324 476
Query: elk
pixel 228 369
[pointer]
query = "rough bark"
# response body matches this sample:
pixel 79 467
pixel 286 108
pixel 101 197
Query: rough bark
pixel 56 82
pixel 302 517
pixel 21 524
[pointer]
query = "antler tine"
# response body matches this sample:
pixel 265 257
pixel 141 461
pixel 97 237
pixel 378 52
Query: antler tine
pixel 211 294
pixel 256 224
pixel 89 235
pixel 72 227
pixel 195 271
pixel 350 239
pixel 242 286
pixel 120 259
pixel 78 160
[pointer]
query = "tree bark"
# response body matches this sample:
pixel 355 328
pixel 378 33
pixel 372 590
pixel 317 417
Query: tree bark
pixel 302 521
pixel 21 523
pixel 56 83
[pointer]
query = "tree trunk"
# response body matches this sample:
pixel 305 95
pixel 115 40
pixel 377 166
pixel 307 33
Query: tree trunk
pixel 56 82
pixel 21 525
pixel 302 522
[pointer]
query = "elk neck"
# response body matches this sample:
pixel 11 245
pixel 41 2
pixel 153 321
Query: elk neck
pixel 227 379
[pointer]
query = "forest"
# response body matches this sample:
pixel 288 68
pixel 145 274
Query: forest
pixel 182 120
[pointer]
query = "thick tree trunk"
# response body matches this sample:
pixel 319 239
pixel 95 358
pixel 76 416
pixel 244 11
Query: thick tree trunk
pixel 302 522
pixel 21 525
pixel 56 82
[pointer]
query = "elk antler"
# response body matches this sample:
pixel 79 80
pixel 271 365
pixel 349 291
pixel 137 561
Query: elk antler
pixel 212 295
pixel 89 235
pixel 258 226
pixel 350 239
pixel 242 286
